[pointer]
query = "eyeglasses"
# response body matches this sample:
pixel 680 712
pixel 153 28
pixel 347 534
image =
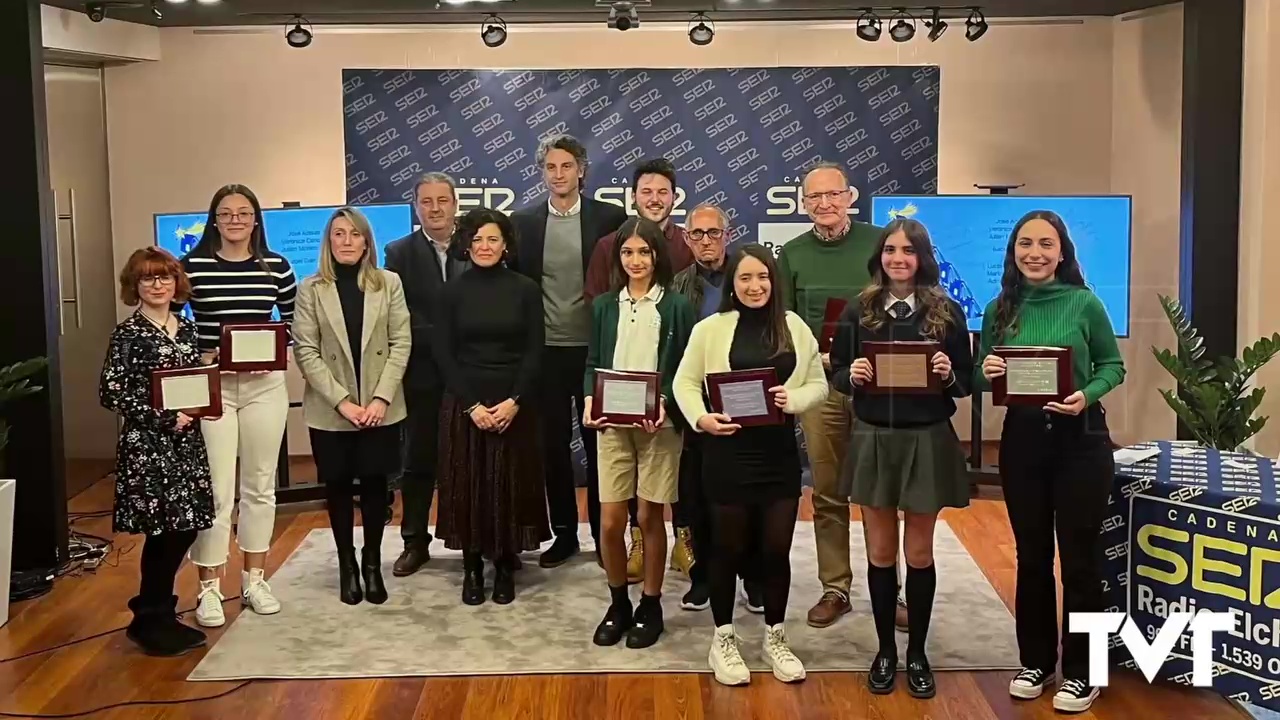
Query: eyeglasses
pixel 156 280
pixel 713 234
pixel 830 196
pixel 226 216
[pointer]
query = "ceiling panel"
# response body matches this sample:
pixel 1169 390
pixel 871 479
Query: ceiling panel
pixel 319 12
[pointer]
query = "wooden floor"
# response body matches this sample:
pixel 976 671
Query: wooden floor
pixel 108 669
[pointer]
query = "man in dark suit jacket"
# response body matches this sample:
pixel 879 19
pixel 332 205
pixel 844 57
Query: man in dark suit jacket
pixel 555 238
pixel 424 261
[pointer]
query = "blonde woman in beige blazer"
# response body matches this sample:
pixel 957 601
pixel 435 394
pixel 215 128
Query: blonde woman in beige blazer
pixel 352 341
pixel 751 472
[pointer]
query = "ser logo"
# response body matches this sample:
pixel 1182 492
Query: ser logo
pixel 789 199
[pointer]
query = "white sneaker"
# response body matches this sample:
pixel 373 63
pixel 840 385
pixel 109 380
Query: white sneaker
pixel 1029 683
pixel 725 660
pixel 1075 696
pixel 255 593
pixel 209 605
pixel 786 666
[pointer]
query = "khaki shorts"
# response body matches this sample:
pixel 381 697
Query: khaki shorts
pixel 633 463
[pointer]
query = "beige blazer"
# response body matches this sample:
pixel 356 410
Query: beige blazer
pixel 324 354
pixel 708 352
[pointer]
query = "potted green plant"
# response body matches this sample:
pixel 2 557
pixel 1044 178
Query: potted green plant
pixel 1213 398
pixel 16 382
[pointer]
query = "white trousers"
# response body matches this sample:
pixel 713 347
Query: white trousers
pixel 254 411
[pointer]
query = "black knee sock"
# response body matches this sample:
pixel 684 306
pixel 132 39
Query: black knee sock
pixel 921 583
pixel 883 583
pixel 373 509
pixel 621 600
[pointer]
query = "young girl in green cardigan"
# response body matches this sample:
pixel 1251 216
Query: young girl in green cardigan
pixel 642 327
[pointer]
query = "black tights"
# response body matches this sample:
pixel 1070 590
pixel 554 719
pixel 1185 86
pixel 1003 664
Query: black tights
pixel 161 557
pixel 373 510
pixel 731 526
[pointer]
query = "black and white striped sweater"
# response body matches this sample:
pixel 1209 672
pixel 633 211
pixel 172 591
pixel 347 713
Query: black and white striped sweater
pixel 238 291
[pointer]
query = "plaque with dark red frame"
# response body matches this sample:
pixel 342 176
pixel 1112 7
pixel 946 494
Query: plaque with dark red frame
pixel 619 394
pixel 196 392
pixel 902 367
pixel 744 396
pixel 246 347
pixel 1034 375
pixel 830 321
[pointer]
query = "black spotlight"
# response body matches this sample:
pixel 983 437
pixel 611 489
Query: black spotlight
pixel 976 26
pixel 298 36
pixel 95 11
pixel 703 32
pixel 903 27
pixel 493 31
pixel 868 26
pixel 155 11
pixel 936 25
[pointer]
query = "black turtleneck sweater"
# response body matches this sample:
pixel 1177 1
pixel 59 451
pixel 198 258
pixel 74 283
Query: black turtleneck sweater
pixel 751 349
pixel 489 335
pixel 352 299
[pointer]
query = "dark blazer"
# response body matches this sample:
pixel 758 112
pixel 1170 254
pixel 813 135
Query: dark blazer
pixel 598 219
pixel 415 261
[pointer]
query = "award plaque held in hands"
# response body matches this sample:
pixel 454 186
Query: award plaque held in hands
pixel 744 396
pixel 830 320
pixel 1034 375
pixel 902 367
pixel 196 392
pixel 625 397
pixel 250 347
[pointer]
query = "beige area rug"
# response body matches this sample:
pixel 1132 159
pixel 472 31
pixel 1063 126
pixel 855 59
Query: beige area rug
pixel 425 630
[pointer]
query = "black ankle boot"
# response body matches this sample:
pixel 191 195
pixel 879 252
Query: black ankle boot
pixel 188 636
pixel 152 629
pixel 472 578
pixel 371 566
pixel 349 577
pixel 504 582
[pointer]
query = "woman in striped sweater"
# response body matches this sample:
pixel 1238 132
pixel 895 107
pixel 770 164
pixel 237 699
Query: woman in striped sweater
pixel 1056 465
pixel 236 279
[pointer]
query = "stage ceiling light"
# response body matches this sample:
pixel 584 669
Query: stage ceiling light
pixel 936 25
pixel 868 26
pixel 976 26
pixel 155 10
pixel 298 36
pixel 493 31
pixel 703 32
pixel 623 16
pixel 903 27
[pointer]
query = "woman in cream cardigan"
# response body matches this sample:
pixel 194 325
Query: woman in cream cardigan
pixel 755 470
pixel 352 342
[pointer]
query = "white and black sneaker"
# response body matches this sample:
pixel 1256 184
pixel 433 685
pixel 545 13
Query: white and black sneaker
pixel 1074 696
pixel 1029 683
pixel 698 597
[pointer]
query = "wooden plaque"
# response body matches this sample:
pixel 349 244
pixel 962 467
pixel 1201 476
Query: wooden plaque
pixel 625 397
pixel 744 396
pixel 1034 375
pixel 197 391
pixel 248 347
pixel 902 367
pixel 830 321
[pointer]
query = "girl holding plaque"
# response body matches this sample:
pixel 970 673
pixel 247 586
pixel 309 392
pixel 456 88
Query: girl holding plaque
pixel 352 344
pixel 1056 465
pixel 751 470
pixel 162 489
pixel 638 327
pixel 488 343
pixel 904 455
pixel 235 278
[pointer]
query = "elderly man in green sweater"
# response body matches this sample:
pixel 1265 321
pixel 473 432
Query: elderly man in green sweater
pixel 828 261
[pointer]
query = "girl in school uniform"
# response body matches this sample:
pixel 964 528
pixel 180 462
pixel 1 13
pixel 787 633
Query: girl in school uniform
pixel 640 326
pixel 904 455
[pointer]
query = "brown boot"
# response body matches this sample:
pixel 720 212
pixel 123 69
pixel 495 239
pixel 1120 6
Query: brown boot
pixel 635 558
pixel 900 614
pixel 682 558
pixel 411 560
pixel 829 609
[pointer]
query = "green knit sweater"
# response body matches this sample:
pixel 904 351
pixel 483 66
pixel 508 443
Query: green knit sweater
pixel 813 270
pixel 1060 315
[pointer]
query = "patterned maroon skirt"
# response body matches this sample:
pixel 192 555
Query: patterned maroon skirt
pixel 492 486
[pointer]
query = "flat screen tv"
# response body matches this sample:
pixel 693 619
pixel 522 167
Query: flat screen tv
pixel 970 233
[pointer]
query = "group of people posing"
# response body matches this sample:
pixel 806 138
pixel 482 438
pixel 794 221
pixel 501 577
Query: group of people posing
pixel 462 362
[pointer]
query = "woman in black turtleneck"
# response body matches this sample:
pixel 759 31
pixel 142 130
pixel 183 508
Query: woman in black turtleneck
pixel 352 342
pixel 755 470
pixel 488 343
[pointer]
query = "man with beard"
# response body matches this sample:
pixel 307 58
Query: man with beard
pixel 653 188
pixel 424 263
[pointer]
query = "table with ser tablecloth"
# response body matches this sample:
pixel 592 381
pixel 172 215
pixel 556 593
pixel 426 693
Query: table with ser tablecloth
pixel 1191 528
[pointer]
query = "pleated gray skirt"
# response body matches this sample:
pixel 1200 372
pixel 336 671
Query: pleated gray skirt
pixel 918 470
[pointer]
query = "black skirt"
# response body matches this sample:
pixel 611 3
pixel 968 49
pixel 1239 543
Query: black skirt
pixel 347 454
pixel 752 466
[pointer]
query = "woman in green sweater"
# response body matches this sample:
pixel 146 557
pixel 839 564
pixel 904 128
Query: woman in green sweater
pixel 639 327
pixel 1056 465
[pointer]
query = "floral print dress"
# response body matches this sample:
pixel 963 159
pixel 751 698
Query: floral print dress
pixel 162 474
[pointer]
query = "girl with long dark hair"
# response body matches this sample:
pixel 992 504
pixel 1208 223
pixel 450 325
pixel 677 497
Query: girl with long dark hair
pixel 904 455
pixel 236 278
pixel 753 470
pixel 1056 465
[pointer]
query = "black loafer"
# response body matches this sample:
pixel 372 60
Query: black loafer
pixel 920 678
pixel 881 678
pixel 612 628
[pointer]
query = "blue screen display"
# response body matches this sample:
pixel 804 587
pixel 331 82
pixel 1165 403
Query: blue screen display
pixel 970 233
